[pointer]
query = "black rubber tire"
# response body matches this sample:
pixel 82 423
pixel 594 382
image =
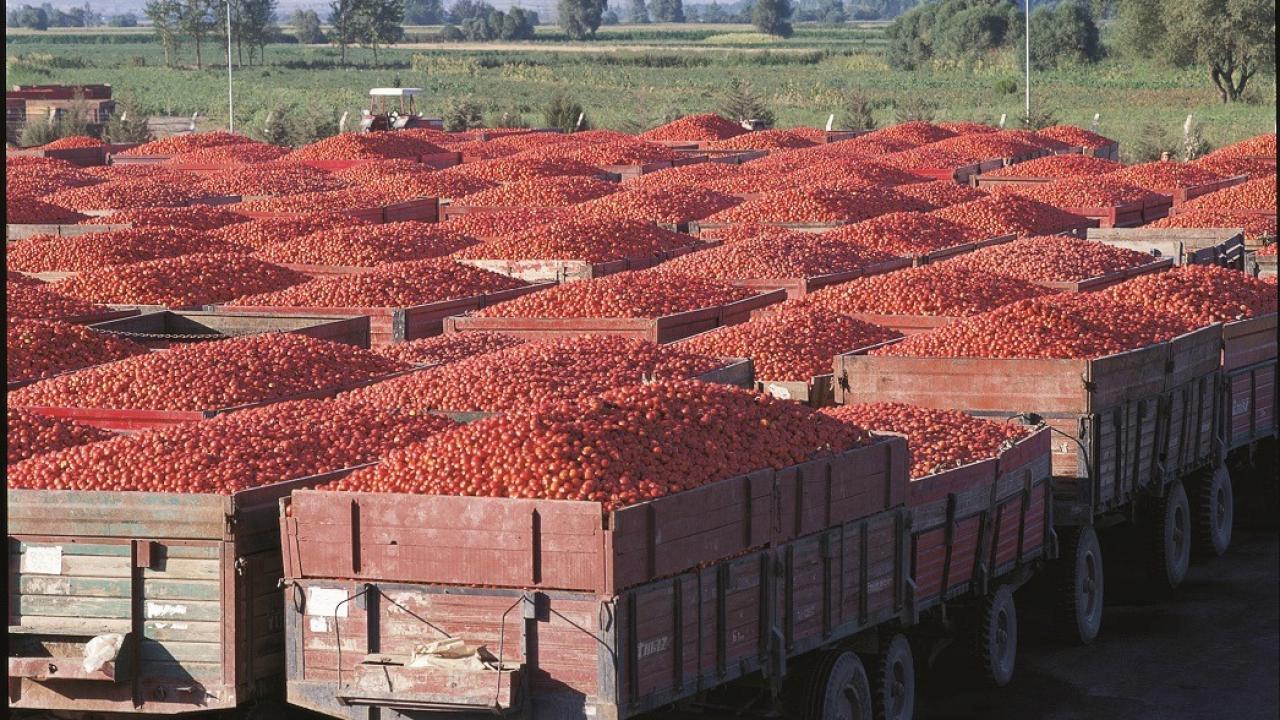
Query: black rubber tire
pixel 1168 533
pixel 995 637
pixel 893 680
pixel 1214 513
pixel 834 687
pixel 1079 588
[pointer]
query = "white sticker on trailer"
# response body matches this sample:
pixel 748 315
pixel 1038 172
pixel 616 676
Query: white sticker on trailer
pixel 42 560
pixel 779 392
pixel 326 601
pixel 319 624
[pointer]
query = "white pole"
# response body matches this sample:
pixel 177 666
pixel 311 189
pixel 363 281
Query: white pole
pixel 231 103
pixel 1028 60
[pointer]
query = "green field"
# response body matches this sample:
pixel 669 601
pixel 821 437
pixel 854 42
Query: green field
pixel 638 76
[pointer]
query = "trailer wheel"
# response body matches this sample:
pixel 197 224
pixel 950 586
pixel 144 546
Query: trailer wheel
pixel 835 688
pixel 1214 513
pixel 1169 538
pixel 996 637
pixel 893 681
pixel 1079 585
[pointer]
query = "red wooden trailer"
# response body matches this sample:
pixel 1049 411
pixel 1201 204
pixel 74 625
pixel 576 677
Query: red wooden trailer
pixel 405 603
pixel 1128 429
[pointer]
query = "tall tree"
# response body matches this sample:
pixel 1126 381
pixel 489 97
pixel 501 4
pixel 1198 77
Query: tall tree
pixel 667 11
pixel 166 20
pixel 772 17
pixel 197 18
pixel 1232 39
pixel 306 27
pixel 580 18
pixel 381 22
pixel 639 13
pixel 344 17
pixel 424 12
pixel 259 25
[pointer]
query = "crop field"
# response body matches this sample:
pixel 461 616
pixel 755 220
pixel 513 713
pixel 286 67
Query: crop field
pixel 637 77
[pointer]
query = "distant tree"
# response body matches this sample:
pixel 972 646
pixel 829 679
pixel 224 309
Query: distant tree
pixel 667 11
pixel 1065 34
pixel 609 18
pixel 197 18
pixel 693 14
pixel 741 104
pixel 166 20
pixel 771 17
pixel 33 17
pixel 913 109
pixel 424 12
pixel 518 24
pixel 463 10
pixel 380 22
pixel 306 27
pixel 344 18
pixel 275 129
pixel 713 13
pixel 258 24
pixel 451 33
pixel 639 13
pixel 580 18
pixel 951 29
pixel 831 12
pixel 1232 39
pixel 126 20
pixel 1140 28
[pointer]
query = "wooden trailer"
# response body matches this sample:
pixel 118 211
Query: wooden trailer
pixel 1128 428
pixel 188 584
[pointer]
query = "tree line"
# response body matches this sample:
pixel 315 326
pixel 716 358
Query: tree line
pixel 198 22
pixel 1230 40
pixel 45 16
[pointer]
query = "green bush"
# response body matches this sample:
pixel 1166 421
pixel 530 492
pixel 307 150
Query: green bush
pixel 1065 34
pixel 913 109
pixel 562 112
pixel 1006 86
pixel 462 114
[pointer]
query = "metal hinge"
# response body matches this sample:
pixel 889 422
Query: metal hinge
pixel 229 525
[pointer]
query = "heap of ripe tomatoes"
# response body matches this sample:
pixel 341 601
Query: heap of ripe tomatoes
pixel 212 375
pixel 936 439
pixel 619 448
pixel 1200 294
pixel 43 348
pixel 1051 258
pixel 939 289
pixel 536 372
pixel 589 239
pixel 403 284
pixel 53 253
pixel 41 302
pixel 32 434
pixel 635 295
pixel 180 282
pixel 192 217
pixel 366 246
pixel 232 452
pixel 541 192
pixel 708 126
pixel 1064 326
pixel 794 343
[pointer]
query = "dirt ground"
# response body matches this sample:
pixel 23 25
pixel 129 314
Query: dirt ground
pixel 1212 650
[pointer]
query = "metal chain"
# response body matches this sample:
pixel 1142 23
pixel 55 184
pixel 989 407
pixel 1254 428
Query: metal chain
pixel 174 336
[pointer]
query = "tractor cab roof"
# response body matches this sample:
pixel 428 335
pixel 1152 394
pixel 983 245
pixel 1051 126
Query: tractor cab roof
pixel 395 92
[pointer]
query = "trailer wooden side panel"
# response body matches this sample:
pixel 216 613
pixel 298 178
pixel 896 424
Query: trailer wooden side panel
pixel 580 654
pixel 569 545
pixel 1250 386
pixel 189 581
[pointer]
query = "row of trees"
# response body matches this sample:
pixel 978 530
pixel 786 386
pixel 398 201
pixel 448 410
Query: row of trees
pixel 45 16
pixel 1231 40
pixel 369 23
pixel 197 21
